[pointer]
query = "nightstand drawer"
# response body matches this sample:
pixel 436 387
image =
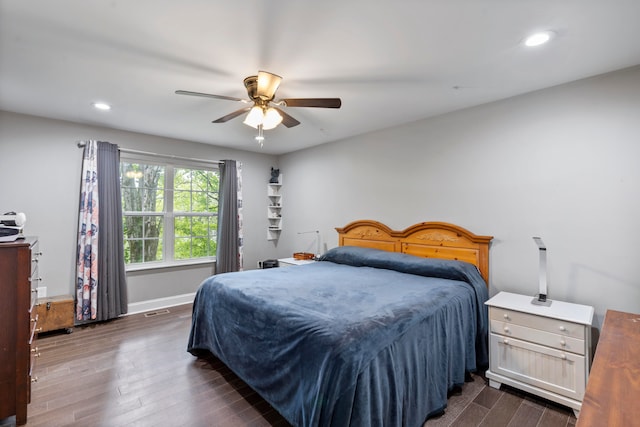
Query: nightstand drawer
pixel 555 326
pixel 549 369
pixel 538 336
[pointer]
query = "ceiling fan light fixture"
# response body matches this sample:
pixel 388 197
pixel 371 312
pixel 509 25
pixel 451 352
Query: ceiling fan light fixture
pixel 254 118
pixel 267 85
pixel 271 119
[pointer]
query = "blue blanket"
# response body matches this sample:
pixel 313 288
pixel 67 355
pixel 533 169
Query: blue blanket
pixel 363 337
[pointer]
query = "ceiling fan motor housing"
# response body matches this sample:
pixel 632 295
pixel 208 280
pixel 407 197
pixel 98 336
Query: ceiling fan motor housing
pixel 251 83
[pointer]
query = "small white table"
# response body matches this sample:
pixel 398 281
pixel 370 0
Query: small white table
pixel 288 262
pixel 543 350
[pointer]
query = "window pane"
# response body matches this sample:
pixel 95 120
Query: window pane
pixel 213 245
pixel 131 199
pixel 182 226
pixel 132 226
pixel 152 226
pixel 182 247
pixel 152 200
pixel 199 226
pixel 182 179
pixel 135 250
pixel 142 187
pixel 152 250
pixel 182 201
pixel 212 202
pixel 200 247
pixel 153 176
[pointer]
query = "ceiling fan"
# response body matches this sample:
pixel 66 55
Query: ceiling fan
pixel 265 113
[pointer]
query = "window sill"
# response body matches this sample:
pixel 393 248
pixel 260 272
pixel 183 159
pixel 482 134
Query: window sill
pixel 166 265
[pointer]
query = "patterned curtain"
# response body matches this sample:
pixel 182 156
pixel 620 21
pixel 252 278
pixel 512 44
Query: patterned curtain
pixel 101 289
pixel 87 262
pixel 230 241
pixel 240 231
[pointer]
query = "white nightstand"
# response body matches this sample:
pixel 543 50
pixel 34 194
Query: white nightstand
pixel 542 350
pixel 288 262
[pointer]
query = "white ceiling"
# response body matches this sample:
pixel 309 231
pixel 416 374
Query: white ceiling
pixel 391 62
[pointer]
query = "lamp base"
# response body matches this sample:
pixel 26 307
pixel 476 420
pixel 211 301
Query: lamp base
pixel 541 300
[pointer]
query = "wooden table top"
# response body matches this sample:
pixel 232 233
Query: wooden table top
pixel 612 397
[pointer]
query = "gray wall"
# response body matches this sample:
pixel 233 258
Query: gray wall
pixel 40 170
pixel 560 163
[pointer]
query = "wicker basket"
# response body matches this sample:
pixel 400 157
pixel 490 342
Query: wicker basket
pixel 303 255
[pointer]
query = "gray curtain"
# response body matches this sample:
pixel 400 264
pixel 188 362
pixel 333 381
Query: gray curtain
pixel 228 239
pixel 112 282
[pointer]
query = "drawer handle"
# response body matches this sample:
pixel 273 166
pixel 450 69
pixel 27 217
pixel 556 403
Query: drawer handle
pixel 34 379
pixel 36 355
pixel 37 279
pixel 34 350
pixel 506 316
pixel 563 357
pixel 506 342
pixel 563 343
pixel 562 328
pixel 506 329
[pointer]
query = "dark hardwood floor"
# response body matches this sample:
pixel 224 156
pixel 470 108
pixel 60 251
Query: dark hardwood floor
pixel 135 371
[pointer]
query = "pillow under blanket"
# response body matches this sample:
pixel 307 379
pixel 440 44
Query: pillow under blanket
pixel 429 267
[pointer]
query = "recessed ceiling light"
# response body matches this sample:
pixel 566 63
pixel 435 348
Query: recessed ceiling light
pixel 538 39
pixel 101 106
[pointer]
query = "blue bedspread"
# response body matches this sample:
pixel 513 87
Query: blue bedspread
pixel 361 338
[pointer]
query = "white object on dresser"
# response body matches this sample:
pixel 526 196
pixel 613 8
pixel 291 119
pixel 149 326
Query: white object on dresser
pixel 288 262
pixel 543 350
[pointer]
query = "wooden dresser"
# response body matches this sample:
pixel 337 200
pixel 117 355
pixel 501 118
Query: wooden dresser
pixel 18 325
pixel 613 391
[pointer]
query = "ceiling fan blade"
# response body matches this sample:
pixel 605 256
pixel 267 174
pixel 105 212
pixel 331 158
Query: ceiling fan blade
pixel 287 120
pixel 313 102
pixel 208 95
pixel 267 85
pixel 232 115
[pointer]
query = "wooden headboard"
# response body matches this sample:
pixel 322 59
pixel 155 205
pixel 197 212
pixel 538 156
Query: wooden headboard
pixel 426 239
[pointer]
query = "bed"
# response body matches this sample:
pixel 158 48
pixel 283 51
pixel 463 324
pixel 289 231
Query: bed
pixel 373 334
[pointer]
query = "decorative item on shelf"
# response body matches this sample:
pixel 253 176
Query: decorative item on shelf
pixel 275 176
pixel 303 255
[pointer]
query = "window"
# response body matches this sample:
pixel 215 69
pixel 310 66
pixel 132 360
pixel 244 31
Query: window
pixel 170 213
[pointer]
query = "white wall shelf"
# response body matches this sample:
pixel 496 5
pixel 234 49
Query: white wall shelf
pixel 274 209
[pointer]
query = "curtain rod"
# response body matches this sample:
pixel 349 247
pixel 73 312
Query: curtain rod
pixel 81 144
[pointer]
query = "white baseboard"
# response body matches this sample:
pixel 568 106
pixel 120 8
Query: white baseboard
pixel 158 303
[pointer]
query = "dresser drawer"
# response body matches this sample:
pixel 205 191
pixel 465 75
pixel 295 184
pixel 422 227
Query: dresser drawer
pixel 548 324
pixel 33 349
pixel 561 342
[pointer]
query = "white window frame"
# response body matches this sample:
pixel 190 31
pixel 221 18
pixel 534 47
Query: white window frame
pixel 168 259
